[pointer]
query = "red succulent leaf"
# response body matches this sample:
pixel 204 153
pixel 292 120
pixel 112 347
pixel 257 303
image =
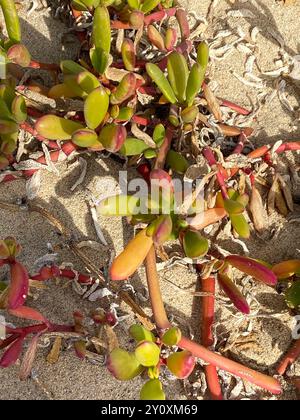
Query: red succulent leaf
pixel 12 354
pixel 8 341
pixel 233 293
pixel 19 285
pixel 28 313
pixel 252 268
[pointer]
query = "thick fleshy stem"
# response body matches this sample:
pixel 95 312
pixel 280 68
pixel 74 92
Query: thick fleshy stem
pixel 35 329
pixel 285 147
pixel 165 147
pixel 47 273
pixel 159 16
pixel 237 108
pixel 44 66
pixel 138 119
pixel 207 338
pixel 240 144
pixel 162 323
pixel 117 24
pixel 209 156
pixel 292 355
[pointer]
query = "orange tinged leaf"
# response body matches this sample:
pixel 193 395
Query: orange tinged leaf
pixel 207 218
pixel 132 257
pixel 286 269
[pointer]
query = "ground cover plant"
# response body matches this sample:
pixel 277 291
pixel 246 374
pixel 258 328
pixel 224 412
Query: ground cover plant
pixel 143 94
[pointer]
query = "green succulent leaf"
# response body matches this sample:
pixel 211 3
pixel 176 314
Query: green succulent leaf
pixel 161 81
pixel 4 111
pixel 8 127
pixel 128 54
pixel 189 114
pixel 150 154
pixel 136 19
pixel 172 336
pixel 125 114
pixel 19 109
pixel 292 295
pixel 99 59
pixel 101 34
pixel 85 138
pixel 240 225
pixel 112 137
pixel 55 128
pixel 159 134
pixel 73 88
pixel 194 244
pixel 79 5
pixel 178 73
pixel 233 207
pixel 70 67
pixel 203 55
pixel 194 83
pixel 119 205
pixel 7 93
pixel 177 162
pixel 11 20
pixel 133 147
pixel 134 4
pixel 125 90
pixel 123 365
pixel 152 391
pixel 87 81
pixel 155 38
pixel 95 107
pixel 140 333
pixel 147 353
pixel 149 5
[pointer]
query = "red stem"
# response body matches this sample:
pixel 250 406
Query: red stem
pixel 117 24
pixel 207 339
pixel 35 329
pixel 292 355
pixel 240 145
pixel 209 156
pixel 237 108
pixel 159 16
pixel 47 273
pixel 139 119
pixel 44 66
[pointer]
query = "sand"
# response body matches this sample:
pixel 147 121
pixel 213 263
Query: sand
pixel 266 338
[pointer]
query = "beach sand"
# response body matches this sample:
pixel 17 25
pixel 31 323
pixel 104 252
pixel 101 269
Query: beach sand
pixel 265 338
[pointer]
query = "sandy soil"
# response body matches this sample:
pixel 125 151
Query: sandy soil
pixel 266 337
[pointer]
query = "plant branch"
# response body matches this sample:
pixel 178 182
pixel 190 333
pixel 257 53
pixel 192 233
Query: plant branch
pixel 292 355
pixel 207 339
pixel 215 359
